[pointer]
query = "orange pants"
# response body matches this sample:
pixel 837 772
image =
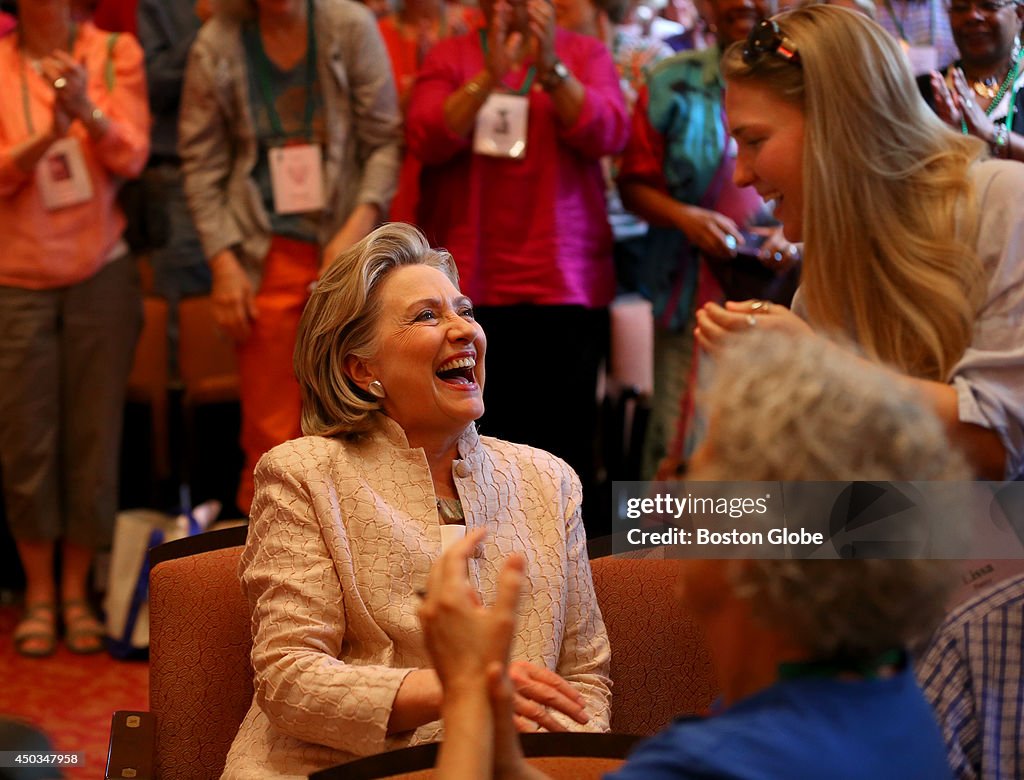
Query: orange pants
pixel 271 402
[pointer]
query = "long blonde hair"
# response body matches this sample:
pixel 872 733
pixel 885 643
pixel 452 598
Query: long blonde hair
pixel 890 216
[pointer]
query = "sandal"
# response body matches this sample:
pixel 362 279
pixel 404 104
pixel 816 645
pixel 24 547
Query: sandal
pixel 36 634
pixel 83 632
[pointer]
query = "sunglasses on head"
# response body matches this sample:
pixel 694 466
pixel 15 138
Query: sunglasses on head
pixel 767 38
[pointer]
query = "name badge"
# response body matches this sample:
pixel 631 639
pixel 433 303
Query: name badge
pixel 923 59
pixel 62 176
pixel 501 126
pixel 297 178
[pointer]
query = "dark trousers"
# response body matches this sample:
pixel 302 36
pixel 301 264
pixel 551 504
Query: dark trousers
pixel 541 385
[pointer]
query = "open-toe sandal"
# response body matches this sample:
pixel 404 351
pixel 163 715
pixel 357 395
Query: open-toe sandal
pixel 83 632
pixel 36 634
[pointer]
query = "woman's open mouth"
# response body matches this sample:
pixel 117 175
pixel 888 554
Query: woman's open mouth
pixel 458 371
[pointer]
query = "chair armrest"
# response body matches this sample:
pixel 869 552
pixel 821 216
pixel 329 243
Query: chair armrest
pixel 132 744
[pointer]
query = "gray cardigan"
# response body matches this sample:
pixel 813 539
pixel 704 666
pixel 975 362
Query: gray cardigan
pixel 217 138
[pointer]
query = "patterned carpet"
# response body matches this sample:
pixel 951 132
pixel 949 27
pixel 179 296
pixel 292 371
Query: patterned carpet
pixel 69 697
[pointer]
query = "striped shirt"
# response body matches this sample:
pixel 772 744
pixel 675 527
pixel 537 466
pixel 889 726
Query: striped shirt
pixel 971 673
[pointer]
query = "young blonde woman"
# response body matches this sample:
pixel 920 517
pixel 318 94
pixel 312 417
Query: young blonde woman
pixel 913 243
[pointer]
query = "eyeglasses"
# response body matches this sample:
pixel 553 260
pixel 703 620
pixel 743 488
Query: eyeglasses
pixel 767 38
pixel 987 7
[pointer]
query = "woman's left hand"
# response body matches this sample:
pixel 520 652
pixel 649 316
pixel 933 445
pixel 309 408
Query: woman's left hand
pixel 717 326
pixel 70 80
pixel 541 14
pixel 538 692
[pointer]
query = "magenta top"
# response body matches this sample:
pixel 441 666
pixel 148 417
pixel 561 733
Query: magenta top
pixel 533 230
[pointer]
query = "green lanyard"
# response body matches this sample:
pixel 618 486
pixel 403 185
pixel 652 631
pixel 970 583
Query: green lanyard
pixel 26 105
pixel 259 59
pixel 1010 85
pixel 836 667
pixel 530 74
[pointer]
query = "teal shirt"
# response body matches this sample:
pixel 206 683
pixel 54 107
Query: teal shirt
pixel 289 91
pixel 685 94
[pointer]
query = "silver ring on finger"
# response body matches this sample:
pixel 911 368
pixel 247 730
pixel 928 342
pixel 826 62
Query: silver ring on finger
pixel 751 320
pixel 60 83
pixel 730 242
pixel 760 306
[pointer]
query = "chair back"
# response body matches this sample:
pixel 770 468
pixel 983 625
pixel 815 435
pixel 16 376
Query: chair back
pixel 660 666
pixel 201 678
pixel 150 377
pixel 206 357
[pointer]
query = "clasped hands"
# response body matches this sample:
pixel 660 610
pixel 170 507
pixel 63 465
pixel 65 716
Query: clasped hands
pixel 70 81
pixel 469 645
pixel 718 326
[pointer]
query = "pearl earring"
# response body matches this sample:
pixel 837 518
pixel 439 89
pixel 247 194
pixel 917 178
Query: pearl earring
pixel 377 389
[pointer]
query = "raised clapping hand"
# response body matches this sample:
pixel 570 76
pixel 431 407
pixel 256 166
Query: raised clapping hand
pixel 505 50
pixel 541 14
pixel 717 326
pixel 469 642
pixel 960 104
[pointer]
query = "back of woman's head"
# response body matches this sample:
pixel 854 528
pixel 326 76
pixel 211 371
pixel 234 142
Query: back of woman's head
pixel 340 319
pixel 801 408
pixel 889 217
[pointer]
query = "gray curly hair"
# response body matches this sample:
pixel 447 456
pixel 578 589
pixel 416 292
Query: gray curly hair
pixel 801 409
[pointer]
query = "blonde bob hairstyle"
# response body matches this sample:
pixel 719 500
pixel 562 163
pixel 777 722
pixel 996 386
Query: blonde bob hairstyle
pixel 889 211
pixel 340 319
pixel 826 415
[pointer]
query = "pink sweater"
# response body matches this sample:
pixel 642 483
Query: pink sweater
pixel 521 231
pixel 45 249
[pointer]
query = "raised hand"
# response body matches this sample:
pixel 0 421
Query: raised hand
pixel 505 49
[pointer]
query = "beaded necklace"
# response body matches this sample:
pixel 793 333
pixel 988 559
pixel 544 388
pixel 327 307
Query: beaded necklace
pixel 1008 82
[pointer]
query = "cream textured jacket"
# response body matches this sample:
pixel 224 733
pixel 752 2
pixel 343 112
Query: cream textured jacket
pixel 342 535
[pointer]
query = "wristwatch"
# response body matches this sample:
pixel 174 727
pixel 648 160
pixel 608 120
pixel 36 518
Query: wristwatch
pixel 555 75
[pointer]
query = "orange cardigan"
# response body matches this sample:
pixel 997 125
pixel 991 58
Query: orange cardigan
pixel 45 249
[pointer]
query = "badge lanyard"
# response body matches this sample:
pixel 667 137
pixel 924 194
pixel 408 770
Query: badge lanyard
pixel 258 56
pixel 530 74
pixel 25 103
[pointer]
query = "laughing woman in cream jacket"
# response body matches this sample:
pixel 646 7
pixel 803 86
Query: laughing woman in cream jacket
pixel 347 521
